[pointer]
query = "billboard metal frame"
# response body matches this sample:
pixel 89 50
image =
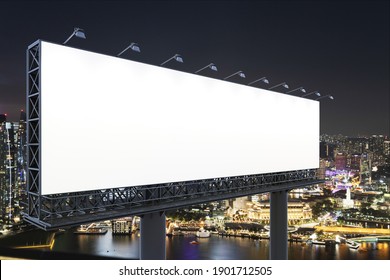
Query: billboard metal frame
pixel 33 107
pixel 70 209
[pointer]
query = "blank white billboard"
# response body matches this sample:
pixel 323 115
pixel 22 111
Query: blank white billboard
pixel 108 122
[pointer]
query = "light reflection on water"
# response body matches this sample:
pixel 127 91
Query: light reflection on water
pixel 213 248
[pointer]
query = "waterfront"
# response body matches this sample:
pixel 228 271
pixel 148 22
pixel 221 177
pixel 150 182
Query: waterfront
pixel 213 248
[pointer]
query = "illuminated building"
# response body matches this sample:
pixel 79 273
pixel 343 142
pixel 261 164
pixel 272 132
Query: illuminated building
pixel 365 169
pixel 21 164
pixel 321 171
pixel 122 226
pixel 7 169
pixel 354 163
pixel 348 202
pixel 376 146
pixel 12 168
pixel 341 161
pixel 297 212
pixel 386 148
pixel 3 155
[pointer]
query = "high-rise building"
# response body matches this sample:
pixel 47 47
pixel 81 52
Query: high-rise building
pixel 3 154
pixel 326 150
pixel 21 166
pixel 386 147
pixel 341 161
pixel 376 146
pixel 376 143
pixel 8 170
pixel 356 145
pixel 365 169
pixel 322 169
pixel 355 162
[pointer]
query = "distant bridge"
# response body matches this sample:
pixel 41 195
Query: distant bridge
pixel 354 230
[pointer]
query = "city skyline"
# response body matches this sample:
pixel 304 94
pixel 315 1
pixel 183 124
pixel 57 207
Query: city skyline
pixel 336 48
pixel 353 167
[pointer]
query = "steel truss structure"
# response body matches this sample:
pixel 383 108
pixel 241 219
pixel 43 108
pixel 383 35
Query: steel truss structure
pixel 69 209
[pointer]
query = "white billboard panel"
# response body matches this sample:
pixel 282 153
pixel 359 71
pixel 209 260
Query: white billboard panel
pixel 108 122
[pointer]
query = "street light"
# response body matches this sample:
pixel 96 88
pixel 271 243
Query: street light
pixel 310 93
pixel 281 84
pixel 133 46
pixel 301 89
pixel 263 79
pixel 78 32
pixel 240 73
pixel 330 97
pixel 212 66
pixel 176 57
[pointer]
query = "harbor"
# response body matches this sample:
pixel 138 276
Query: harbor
pixel 216 244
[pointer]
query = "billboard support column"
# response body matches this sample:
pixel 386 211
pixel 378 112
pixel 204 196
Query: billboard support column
pixel 152 241
pixel 278 229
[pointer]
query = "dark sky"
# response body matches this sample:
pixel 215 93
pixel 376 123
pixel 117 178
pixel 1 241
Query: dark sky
pixel 336 47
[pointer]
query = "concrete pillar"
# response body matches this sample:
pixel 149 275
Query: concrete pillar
pixel 278 228
pixel 152 239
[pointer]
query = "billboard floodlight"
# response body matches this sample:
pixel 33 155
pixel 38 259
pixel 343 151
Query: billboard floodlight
pixel 212 66
pixel 329 96
pixel 310 93
pixel 239 73
pixel 301 89
pixel 263 79
pixel 176 57
pixel 133 46
pixel 281 84
pixel 78 32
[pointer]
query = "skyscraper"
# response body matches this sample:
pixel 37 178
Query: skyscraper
pixel 386 147
pixel 365 168
pixel 3 154
pixel 355 162
pixel 8 169
pixel 341 161
pixel 21 166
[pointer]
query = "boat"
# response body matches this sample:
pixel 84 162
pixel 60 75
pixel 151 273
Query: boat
pixel 91 229
pixel 264 235
pixel 105 224
pixel 194 242
pixel 202 233
pixel 352 244
pixel 318 242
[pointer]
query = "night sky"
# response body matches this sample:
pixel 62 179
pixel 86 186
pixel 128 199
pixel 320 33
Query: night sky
pixel 335 47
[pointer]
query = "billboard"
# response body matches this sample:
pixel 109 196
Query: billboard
pixel 108 122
